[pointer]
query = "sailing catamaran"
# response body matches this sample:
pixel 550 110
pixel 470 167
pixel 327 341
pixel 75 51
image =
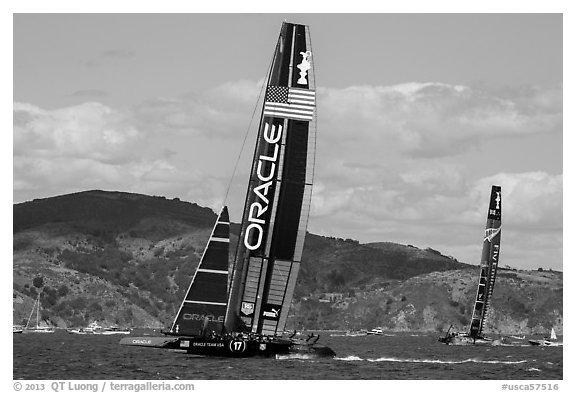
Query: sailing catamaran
pixel 488 268
pixel 247 317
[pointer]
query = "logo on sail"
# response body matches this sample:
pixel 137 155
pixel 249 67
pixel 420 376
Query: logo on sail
pixel 490 233
pixel 247 308
pixel 495 209
pixel 256 218
pixel 304 66
pixel 272 311
pixel 495 253
pixel 199 317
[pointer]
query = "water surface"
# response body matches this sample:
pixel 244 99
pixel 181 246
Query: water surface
pixel 394 356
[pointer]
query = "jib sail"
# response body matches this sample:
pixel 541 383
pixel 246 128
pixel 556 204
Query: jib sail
pixel 204 307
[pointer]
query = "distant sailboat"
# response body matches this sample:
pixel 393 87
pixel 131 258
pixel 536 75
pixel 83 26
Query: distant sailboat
pixel 247 318
pixel 488 269
pixel 551 341
pixel 37 328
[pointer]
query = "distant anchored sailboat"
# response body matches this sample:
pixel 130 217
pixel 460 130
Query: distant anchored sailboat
pixel 488 268
pixel 37 328
pixel 551 341
pixel 247 317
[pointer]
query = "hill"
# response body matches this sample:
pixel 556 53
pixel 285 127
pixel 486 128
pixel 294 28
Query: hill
pixel 524 302
pixel 126 259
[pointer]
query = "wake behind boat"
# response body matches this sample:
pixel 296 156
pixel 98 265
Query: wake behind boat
pixel 351 333
pixel 247 318
pixel 488 268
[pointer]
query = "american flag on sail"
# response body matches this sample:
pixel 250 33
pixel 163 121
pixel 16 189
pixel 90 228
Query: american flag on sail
pixel 290 103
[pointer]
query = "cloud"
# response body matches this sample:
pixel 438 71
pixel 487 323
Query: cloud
pixel 81 147
pixel 394 163
pixel 529 200
pixel 425 209
pixel 90 130
pixel 434 119
pixel 220 112
pixel 92 146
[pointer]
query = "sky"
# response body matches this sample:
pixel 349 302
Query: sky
pixel 418 115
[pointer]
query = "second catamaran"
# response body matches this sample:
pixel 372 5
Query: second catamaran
pixel 249 316
pixel 488 269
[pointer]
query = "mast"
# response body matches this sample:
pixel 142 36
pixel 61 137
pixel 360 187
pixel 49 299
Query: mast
pixel 488 264
pixel 32 311
pixel 38 311
pixel 278 198
pixel 204 306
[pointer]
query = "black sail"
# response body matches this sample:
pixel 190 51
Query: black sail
pixel 204 307
pixel 277 203
pixel 489 263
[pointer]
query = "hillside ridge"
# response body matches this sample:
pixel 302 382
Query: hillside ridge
pixel 126 259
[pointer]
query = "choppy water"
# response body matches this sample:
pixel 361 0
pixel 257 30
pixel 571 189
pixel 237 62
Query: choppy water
pixel 390 357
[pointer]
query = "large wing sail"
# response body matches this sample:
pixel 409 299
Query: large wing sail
pixel 279 192
pixel 489 262
pixel 204 306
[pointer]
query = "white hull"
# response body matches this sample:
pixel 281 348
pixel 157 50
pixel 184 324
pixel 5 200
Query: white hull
pixel 75 331
pixel 110 332
pixel 545 343
pixel 32 330
pixel 98 332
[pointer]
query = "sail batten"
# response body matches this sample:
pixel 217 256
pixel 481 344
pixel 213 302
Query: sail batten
pixel 201 302
pixel 212 271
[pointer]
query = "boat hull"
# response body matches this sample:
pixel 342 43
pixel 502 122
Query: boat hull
pixel 112 332
pixel 232 347
pixel 544 343
pixel 467 340
pixel 32 330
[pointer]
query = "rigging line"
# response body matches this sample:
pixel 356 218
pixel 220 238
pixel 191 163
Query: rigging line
pixel 262 87
pixel 265 82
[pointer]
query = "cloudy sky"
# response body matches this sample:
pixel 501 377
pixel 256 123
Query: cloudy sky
pixel 418 115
